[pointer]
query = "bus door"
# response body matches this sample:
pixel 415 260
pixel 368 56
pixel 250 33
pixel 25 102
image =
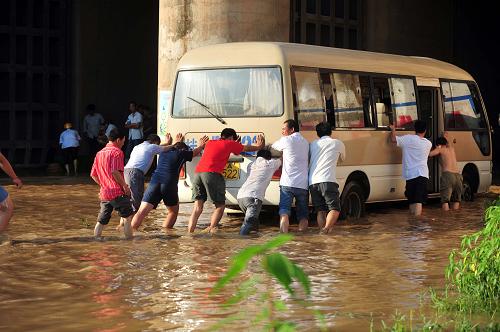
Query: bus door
pixel 428 100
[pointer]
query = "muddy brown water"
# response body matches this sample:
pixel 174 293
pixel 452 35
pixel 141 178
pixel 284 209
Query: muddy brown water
pixel 55 277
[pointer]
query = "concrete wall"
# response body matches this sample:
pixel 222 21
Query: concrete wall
pixel 114 54
pixel 188 24
pixel 409 27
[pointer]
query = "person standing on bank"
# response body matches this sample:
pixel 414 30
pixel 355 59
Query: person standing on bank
pixel 208 182
pixel 92 123
pixel 6 205
pixel 140 161
pixel 114 194
pixel 294 180
pixel 69 140
pixel 163 185
pixel 134 126
pixel 252 192
pixel 323 186
pixel 451 181
pixel 416 150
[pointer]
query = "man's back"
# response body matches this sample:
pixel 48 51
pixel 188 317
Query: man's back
pixel 295 150
pixel 259 175
pixel 415 154
pixel 106 161
pixel 216 155
pixel 448 159
pixel 324 154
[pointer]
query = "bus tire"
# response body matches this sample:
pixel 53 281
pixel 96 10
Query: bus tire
pixel 352 201
pixel 467 191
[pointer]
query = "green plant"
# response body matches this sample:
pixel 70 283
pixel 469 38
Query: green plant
pixel 474 271
pixel 278 268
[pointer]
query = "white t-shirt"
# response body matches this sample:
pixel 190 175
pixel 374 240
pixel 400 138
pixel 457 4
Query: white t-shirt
pixel 415 154
pixel 69 139
pixel 142 156
pixel 92 124
pixel 295 150
pixel 324 154
pixel 259 174
pixel 135 133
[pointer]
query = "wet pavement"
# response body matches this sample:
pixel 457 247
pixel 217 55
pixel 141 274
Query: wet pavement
pixel 55 276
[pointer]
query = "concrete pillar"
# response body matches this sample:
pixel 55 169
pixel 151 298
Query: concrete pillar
pixel 188 24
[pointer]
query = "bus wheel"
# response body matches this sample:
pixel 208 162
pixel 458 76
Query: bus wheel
pixel 352 201
pixel 467 191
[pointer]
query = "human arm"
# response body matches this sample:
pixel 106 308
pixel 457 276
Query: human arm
pixel 342 151
pixel 201 145
pixel 258 145
pixel 435 152
pixel 118 176
pixel 7 168
pixel 135 121
pixel 393 133
pixel 96 179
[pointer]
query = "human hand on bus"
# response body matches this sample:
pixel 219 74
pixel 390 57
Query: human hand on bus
pixel 168 139
pixel 203 140
pixel 260 141
pixel 179 137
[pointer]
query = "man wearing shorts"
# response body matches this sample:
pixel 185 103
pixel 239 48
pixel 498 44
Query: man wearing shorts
pixel 69 140
pixel 251 193
pixel 107 172
pixel 163 185
pixel 294 179
pixel 208 182
pixel 6 205
pixel 416 150
pixel 324 154
pixel 451 181
pixel 139 163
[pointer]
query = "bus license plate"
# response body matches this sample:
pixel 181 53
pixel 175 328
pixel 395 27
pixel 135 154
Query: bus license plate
pixel 231 171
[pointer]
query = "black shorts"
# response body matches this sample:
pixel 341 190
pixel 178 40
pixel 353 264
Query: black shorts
pixel 70 154
pixel 416 190
pixel 325 196
pixel 159 191
pixel 122 204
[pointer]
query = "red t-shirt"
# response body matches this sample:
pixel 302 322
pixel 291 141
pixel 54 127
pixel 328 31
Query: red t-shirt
pixel 216 154
pixel 109 159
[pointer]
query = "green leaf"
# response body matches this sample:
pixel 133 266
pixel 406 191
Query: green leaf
pixel 278 241
pixel 281 268
pixel 302 278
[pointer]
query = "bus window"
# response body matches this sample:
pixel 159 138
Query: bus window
pixel 404 102
pixel 463 109
pixel 326 81
pixel 352 101
pixel 383 101
pixel 309 99
pixel 229 92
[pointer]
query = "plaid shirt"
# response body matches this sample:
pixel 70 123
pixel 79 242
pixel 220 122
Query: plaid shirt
pixel 109 159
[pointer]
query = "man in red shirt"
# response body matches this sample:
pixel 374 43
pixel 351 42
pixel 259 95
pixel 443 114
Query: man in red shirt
pixel 208 182
pixel 107 172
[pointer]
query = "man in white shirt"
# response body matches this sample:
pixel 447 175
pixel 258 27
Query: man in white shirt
pixel 324 154
pixel 139 163
pixel 134 125
pixel 92 123
pixel 416 150
pixel 69 140
pixel 293 181
pixel 251 193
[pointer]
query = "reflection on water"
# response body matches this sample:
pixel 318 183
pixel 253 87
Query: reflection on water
pixel 54 276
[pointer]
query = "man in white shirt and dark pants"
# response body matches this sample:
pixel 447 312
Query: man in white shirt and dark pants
pixel 92 123
pixel 293 182
pixel 323 186
pixel 416 150
pixel 69 140
pixel 251 193
pixel 134 125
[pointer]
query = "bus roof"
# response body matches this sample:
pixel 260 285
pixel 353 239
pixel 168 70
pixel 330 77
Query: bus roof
pixel 276 53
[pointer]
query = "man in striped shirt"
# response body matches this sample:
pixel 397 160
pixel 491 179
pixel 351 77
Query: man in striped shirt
pixel 107 172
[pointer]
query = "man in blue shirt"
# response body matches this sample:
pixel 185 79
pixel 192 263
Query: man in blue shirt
pixel 70 142
pixel 163 185
pixel 140 161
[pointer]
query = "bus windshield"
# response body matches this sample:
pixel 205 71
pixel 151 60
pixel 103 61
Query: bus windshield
pixel 228 92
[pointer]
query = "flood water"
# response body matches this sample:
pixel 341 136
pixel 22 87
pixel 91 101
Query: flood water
pixel 54 276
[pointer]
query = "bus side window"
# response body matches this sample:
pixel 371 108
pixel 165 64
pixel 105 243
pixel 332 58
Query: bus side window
pixel 403 102
pixel 328 89
pixel 309 108
pixel 382 98
pixel 352 101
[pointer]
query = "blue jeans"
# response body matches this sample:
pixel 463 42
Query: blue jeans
pixel 251 206
pixel 287 194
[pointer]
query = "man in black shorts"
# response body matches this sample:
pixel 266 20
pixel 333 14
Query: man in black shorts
pixel 163 185
pixel 416 150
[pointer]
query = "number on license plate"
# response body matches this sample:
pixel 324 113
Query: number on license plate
pixel 231 171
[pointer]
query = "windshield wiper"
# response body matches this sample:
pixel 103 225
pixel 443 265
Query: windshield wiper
pixel 208 110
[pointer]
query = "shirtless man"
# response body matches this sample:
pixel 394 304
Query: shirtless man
pixel 451 182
